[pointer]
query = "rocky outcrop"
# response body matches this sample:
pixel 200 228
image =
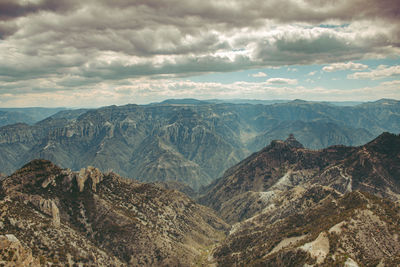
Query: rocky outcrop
pixel 12 253
pixel 329 232
pixel 291 141
pixel 91 218
pixel 89 174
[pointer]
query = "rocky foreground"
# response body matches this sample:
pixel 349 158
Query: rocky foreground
pixel 290 206
pixel 52 216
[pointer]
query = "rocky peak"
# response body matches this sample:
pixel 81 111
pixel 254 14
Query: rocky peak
pixel 291 141
pixel 91 174
pixel 12 251
pixel 43 174
pixel 386 143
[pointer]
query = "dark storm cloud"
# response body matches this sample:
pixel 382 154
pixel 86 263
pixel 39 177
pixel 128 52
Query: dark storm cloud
pixel 184 67
pixel 10 9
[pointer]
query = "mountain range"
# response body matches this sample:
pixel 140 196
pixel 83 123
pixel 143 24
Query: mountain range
pixel 188 141
pixel 25 115
pixel 284 205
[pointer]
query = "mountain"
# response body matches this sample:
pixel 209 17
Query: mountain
pixel 286 205
pixel 373 168
pixel 184 101
pixel 25 115
pixel 91 218
pixel 316 134
pixel 354 229
pixel 291 206
pixel 187 141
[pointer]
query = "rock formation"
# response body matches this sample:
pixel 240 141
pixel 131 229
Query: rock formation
pixel 92 218
pixel 12 253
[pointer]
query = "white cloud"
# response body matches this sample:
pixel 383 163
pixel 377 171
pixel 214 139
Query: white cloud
pixel 259 75
pixel 147 90
pixel 344 66
pixel 391 83
pixel 378 73
pixel 281 81
pixel 312 73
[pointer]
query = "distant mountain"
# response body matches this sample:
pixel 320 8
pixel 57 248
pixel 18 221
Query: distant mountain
pixel 251 101
pixel 25 115
pixel 53 216
pixel 69 114
pixel 247 101
pixel 183 101
pixel 316 134
pixel 190 143
pixel 291 206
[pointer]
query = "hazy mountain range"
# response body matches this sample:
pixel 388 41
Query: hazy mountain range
pixel 190 140
pixel 25 115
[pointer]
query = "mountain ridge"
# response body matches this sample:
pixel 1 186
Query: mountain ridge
pixel 290 206
pixel 207 138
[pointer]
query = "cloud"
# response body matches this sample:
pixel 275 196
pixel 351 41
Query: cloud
pixel 10 9
pixel 312 73
pixel 344 66
pixel 281 81
pixel 145 91
pixel 259 75
pixel 391 83
pixel 77 44
pixel 379 73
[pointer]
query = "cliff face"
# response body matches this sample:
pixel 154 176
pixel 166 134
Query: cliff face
pixel 89 217
pixel 190 143
pixel 171 143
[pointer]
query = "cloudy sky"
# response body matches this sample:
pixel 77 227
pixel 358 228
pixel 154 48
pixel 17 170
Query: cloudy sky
pixel 100 52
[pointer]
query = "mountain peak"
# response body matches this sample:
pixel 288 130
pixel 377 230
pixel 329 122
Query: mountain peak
pixel 291 141
pixel 386 143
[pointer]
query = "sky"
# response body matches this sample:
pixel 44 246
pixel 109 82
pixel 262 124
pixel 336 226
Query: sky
pixel 73 53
